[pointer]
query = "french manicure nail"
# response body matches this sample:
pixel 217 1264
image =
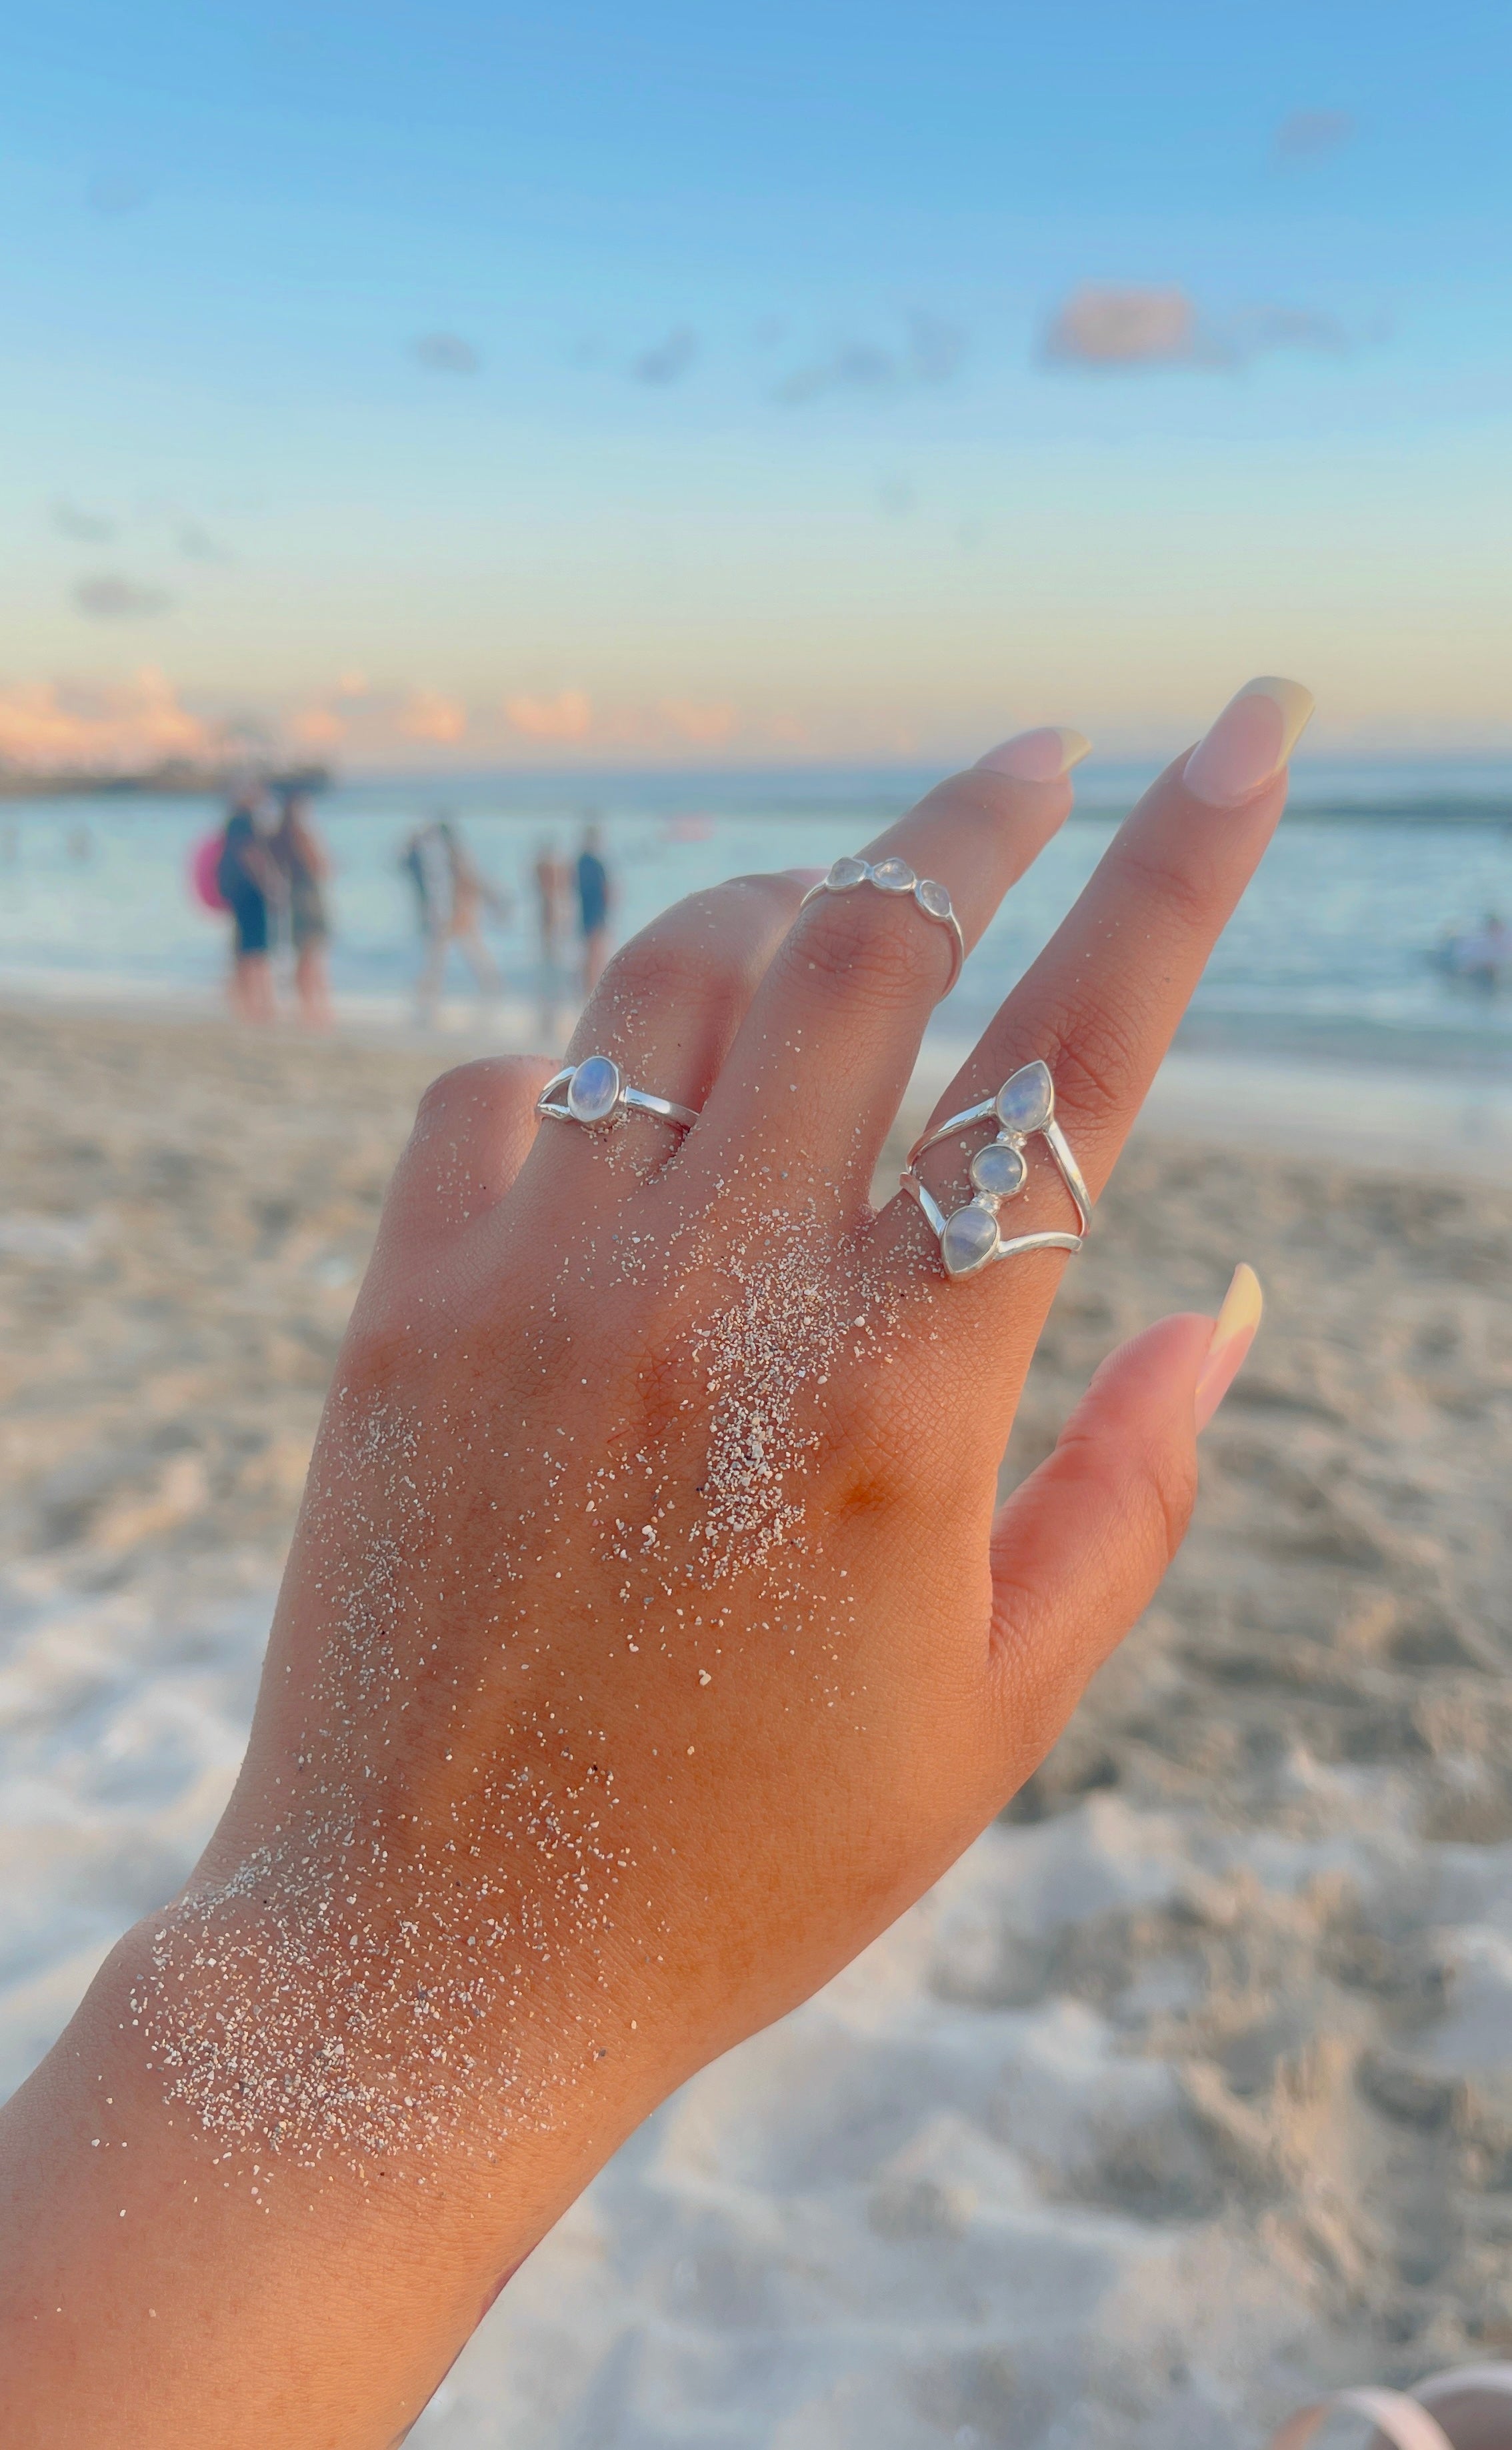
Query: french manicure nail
pixel 1250 742
pixel 1040 756
pixel 1232 1334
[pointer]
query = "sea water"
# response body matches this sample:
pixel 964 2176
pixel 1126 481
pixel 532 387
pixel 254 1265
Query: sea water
pixel 1334 949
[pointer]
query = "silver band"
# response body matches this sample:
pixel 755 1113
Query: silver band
pixel 896 876
pixel 599 1095
pixel 969 1236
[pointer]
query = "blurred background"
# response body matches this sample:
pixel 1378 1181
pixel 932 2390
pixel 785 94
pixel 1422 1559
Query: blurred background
pixel 470 474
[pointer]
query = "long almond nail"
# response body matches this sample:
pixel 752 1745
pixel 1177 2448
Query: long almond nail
pixel 1250 743
pixel 1040 756
pixel 1232 1334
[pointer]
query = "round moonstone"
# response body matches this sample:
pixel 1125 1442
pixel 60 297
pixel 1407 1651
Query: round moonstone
pixel 932 897
pixel 999 1169
pixel 969 1240
pixel 894 876
pixel 592 1091
pixel 1026 1103
pixel 845 873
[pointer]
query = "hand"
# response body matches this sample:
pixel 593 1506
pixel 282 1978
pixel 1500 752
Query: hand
pixel 649 1641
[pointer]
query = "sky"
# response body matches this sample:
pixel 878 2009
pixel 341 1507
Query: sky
pixel 712 384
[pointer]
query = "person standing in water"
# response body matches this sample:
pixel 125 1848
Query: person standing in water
pixel 248 883
pixel 303 866
pixel 454 897
pixel 593 899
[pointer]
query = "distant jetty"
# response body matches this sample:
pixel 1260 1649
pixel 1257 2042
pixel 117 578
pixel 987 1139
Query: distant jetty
pixel 175 779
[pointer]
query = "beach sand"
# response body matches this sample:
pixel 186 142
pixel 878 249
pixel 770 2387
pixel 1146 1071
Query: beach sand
pixel 1190 2089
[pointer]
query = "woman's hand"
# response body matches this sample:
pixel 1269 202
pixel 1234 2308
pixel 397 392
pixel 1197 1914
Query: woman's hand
pixel 649 1640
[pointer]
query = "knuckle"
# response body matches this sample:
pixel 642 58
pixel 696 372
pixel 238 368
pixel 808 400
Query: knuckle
pixel 1096 1061
pixel 884 956
pixel 673 965
pixel 1171 886
pixel 1171 1493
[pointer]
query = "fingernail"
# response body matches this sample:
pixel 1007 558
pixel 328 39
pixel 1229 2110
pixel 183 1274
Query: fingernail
pixel 1040 756
pixel 1232 1334
pixel 1250 742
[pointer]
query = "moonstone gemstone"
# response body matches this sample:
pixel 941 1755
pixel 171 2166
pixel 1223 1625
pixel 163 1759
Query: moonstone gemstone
pixel 592 1091
pixel 1026 1103
pixel 932 897
pixel 999 1169
pixel 969 1240
pixel 845 873
pixel 894 876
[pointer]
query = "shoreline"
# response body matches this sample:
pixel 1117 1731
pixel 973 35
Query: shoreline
pixel 1403 1111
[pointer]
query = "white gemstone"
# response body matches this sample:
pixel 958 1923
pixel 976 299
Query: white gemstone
pixel 1027 1102
pixel 969 1240
pixel 845 873
pixel 592 1091
pixel 894 876
pixel 999 1169
pixel 932 897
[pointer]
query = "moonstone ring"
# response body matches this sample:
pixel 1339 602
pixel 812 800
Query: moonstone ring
pixel 971 1237
pixel 896 876
pixel 599 1095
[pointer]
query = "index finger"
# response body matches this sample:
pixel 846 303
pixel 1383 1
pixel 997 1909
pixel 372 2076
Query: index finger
pixel 1098 1009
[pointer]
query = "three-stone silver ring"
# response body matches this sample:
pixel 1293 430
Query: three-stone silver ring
pixel 599 1095
pixel 970 1237
pixel 896 876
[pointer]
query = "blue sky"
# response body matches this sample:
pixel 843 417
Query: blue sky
pixel 684 382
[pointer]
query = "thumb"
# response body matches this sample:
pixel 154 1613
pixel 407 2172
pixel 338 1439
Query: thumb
pixel 1079 1550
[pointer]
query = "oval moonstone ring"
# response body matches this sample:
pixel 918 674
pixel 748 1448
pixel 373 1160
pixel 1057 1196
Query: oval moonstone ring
pixel 971 1237
pixel 598 1093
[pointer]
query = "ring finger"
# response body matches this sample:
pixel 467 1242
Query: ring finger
pixel 666 1008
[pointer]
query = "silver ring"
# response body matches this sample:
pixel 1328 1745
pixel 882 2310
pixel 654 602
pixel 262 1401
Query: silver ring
pixel 896 876
pixel 599 1095
pixel 970 1237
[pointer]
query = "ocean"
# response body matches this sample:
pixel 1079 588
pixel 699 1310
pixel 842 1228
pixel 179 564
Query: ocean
pixel 1332 954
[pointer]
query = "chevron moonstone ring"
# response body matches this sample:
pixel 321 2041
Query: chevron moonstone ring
pixel 971 1236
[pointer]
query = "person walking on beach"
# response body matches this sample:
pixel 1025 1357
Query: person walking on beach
pixel 593 899
pixel 454 896
pixel 552 889
pixel 303 866
pixel 248 883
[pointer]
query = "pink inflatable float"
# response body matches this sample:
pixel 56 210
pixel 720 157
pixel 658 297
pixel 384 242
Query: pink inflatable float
pixel 204 861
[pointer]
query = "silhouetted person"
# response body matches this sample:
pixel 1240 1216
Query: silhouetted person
pixel 247 882
pixel 304 867
pixel 593 899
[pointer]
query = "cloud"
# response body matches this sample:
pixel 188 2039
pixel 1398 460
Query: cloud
pixel 446 353
pixel 1311 136
pixel 80 526
pixel 930 353
pixel 567 716
pixel 1102 326
pixel 1104 329
pixel 111 598
pixel 51 726
pixel 318 727
pixel 427 715
pixel 669 360
pixel 117 191
pixel 196 544
pixel 706 724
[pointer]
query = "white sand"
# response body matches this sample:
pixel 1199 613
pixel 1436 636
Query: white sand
pixel 1188 2089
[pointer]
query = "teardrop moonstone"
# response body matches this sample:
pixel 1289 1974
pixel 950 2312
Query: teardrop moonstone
pixel 969 1240
pixel 1026 1103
